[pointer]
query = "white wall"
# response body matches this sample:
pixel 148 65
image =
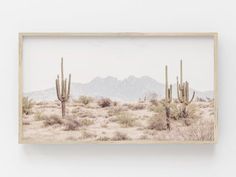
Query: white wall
pixel 114 160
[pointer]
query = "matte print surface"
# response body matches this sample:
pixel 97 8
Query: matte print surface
pixel 117 88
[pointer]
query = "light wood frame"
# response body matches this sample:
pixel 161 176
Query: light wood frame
pixel 214 35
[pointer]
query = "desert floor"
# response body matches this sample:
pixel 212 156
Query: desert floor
pixel 91 120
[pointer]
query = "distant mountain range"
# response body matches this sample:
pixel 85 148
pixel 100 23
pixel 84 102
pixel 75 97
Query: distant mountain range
pixel 129 89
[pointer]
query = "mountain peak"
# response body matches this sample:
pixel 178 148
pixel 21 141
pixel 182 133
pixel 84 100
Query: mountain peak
pixel 129 89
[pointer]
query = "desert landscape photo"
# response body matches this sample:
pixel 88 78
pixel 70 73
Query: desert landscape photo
pixel 126 92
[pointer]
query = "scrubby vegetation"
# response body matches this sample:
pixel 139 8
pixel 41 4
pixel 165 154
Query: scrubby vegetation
pixel 102 120
pixel 104 102
pixel 157 122
pixel 27 105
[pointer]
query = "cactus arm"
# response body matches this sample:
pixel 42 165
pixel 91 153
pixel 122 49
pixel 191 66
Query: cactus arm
pixel 170 94
pixel 68 90
pixel 192 98
pixel 65 89
pixel 180 98
pixel 58 89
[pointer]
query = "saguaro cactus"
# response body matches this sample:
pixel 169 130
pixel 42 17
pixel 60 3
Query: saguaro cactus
pixel 63 91
pixel 168 98
pixel 183 93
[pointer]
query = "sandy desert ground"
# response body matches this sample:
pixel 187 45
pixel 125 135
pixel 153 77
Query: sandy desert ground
pixel 102 120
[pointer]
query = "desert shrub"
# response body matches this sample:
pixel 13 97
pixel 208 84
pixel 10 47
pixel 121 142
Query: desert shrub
pixel 83 114
pixel 174 111
pixel 27 105
pixel 143 137
pixel 154 102
pixel 115 110
pixel 86 135
pixel 104 102
pixel 138 106
pixel 203 131
pixel 119 136
pixel 159 108
pixel 38 116
pixel 53 120
pixel 157 122
pixel 75 110
pixel 85 100
pixel 103 138
pixel 71 124
pixel 125 119
pixel 115 103
pixel 85 122
pixel 192 111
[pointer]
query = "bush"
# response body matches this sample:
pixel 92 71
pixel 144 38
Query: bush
pixel 157 122
pixel 138 106
pixel 104 102
pixel 53 120
pixel 159 108
pixel 85 122
pixel 85 100
pixel 86 135
pixel 175 113
pixel 115 110
pixel 125 119
pixel 38 116
pixel 119 136
pixel 71 124
pixel 27 105
pixel 103 138
pixel 154 102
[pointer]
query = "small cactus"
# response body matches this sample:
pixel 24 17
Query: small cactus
pixel 63 91
pixel 183 92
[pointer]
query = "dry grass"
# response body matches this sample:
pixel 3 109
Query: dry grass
pixel 175 111
pixel 115 110
pixel 138 106
pixel 103 138
pixel 204 131
pixel 39 116
pixel 87 135
pixel 157 122
pixel 85 122
pixel 83 114
pixel 192 111
pixel 85 100
pixel 27 105
pixel 159 108
pixel 125 119
pixel 120 136
pixel 53 120
pixel 143 137
pixel 71 124
pixel 104 102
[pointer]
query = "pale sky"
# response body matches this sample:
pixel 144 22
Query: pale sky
pixel 86 58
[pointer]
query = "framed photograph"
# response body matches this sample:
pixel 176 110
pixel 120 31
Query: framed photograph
pixel 141 88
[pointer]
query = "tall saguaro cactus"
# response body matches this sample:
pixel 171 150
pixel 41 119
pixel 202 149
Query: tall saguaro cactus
pixel 168 97
pixel 183 92
pixel 63 91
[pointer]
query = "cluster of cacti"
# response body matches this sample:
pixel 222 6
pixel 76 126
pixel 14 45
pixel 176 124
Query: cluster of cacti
pixel 63 91
pixel 168 98
pixel 182 93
